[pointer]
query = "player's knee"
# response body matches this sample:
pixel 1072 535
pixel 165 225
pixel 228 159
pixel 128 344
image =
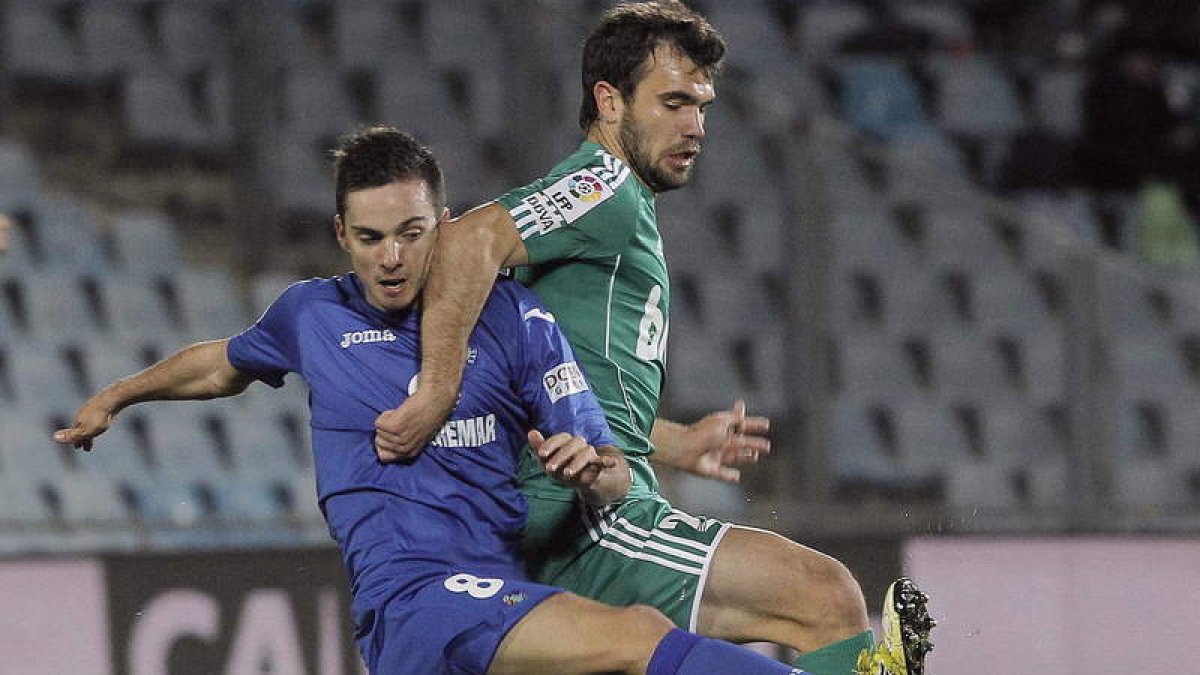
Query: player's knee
pixel 828 584
pixel 847 607
pixel 648 619
pixel 636 633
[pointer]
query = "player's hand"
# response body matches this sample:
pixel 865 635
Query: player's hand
pixel 91 420
pixel 401 434
pixel 569 459
pixel 720 442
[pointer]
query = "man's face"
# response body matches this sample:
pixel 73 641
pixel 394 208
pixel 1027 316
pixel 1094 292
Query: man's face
pixel 662 124
pixel 389 232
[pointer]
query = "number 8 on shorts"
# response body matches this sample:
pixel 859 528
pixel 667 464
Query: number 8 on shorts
pixel 477 588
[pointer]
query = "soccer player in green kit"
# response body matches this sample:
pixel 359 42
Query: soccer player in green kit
pixel 585 239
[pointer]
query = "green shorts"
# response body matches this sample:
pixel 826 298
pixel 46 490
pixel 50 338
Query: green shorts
pixel 640 551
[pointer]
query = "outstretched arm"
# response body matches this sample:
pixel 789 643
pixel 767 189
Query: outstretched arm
pixel 715 445
pixel 201 371
pixel 470 251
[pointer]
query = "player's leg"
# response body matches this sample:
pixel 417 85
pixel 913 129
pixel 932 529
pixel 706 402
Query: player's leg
pixel 762 586
pixel 567 634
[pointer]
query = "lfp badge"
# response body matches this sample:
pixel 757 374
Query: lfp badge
pixel 586 187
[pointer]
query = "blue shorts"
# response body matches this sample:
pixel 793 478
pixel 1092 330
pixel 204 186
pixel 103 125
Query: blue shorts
pixel 452 625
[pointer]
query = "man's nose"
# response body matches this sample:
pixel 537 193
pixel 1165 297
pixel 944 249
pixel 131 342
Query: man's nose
pixel 391 254
pixel 694 127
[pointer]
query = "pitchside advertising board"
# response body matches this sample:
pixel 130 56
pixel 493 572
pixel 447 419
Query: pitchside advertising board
pixel 283 613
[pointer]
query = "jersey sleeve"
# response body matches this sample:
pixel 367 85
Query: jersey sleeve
pixel 267 350
pixel 552 384
pixel 585 214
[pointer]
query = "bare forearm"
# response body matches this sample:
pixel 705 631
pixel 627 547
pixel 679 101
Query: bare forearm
pixel 469 254
pixel 669 439
pixel 200 371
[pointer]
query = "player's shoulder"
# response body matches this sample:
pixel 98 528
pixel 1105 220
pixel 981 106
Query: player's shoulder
pixel 308 289
pixel 594 161
pixel 510 296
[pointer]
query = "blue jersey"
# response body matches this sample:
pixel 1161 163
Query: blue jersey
pixel 457 506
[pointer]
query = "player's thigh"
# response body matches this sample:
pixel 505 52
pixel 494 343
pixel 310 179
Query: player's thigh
pixel 644 552
pixel 568 634
pixel 759 579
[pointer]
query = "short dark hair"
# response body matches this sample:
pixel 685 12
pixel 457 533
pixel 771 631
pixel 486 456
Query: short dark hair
pixel 617 49
pixel 381 155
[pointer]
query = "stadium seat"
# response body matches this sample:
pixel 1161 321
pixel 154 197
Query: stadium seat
pixel 38 44
pixel 870 238
pixel 118 453
pixel 304 178
pixel 145 242
pixel 302 500
pixel 875 365
pixel 317 102
pixel 194 36
pixel 964 238
pixel 880 97
pixel 369 32
pixel 971 366
pixel 41 375
pixel 169 503
pixel 138 310
pixel 209 302
pixel 68 235
pixel 182 443
pixel 1058 101
pixel 260 444
pixel 459 34
pixel 975 98
pixel 113 38
pixel 823 25
pixel 946 22
pixel 864 453
pixel 159 115
pixel 703 376
pixel 1130 302
pixel 419 101
pixel 691 242
pixel 1015 432
pixel 986 487
pixel 925 167
pixel 753 35
pixel 245 500
pixel 25 507
pixel 915 302
pixel 27 450
pixel 930 435
pixel 92 501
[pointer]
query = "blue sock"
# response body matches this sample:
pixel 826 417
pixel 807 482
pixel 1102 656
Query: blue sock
pixel 683 653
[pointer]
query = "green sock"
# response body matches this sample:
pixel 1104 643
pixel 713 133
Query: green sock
pixel 838 658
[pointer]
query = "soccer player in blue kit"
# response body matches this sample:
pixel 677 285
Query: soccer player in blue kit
pixel 431 545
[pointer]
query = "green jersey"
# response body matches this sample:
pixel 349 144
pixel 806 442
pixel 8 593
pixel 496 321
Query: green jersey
pixel 596 261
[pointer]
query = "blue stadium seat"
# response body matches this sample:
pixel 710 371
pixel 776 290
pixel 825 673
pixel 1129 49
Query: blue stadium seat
pixel 880 97
pixel 864 452
pixel 182 444
pixel 260 444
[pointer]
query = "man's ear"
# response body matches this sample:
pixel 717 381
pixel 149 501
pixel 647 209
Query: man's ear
pixel 609 103
pixel 339 231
